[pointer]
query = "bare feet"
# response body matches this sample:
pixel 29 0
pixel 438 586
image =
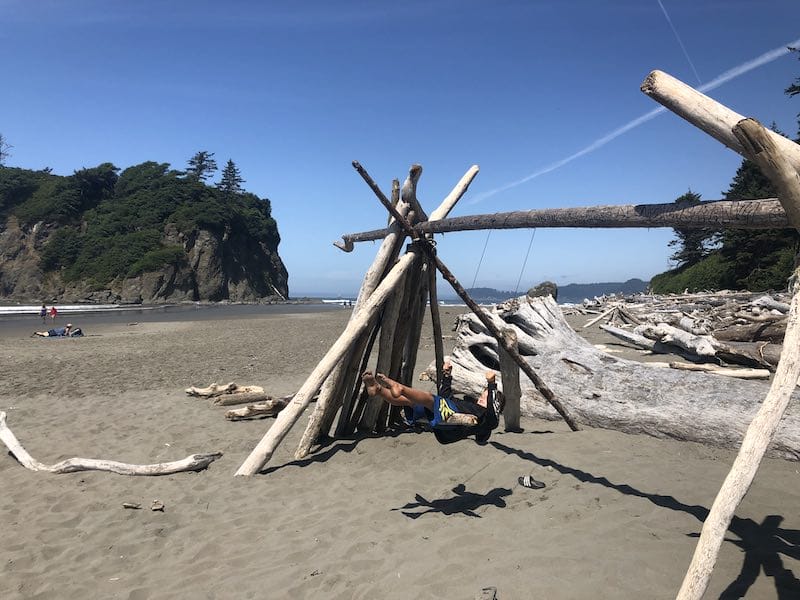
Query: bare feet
pixel 373 387
pixel 491 376
pixel 395 388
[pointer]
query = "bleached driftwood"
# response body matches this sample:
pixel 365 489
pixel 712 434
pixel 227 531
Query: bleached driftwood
pixel 268 408
pixel 667 334
pixel 242 398
pixel 195 462
pixel 605 391
pixel 760 147
pixel 214 390
pixel 289 415
pixel 724 371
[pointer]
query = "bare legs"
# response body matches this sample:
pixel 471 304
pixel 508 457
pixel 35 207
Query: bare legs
pixel 380 386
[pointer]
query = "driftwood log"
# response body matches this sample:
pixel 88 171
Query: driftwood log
pixel 601 390
pixel 194 462
pixel 260 410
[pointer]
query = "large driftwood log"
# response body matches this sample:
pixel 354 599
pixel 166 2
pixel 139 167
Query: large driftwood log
pixel 601 390
pixel 195 462
pixel 268 408
pixel 766 213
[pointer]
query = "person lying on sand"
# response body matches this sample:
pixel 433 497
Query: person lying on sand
pixel 452 419
pixel 66 331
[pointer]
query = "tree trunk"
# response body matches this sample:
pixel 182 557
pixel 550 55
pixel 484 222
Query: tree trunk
pixel 609 392
pixel 717 214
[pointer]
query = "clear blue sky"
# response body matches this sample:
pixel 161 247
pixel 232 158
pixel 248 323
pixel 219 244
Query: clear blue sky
pixel 295 91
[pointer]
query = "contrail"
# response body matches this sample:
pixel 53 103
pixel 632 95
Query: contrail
pixel 725 77
pixel 680 42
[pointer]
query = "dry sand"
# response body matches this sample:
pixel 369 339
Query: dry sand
pixel 392 517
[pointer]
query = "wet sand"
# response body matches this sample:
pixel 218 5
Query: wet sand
pixel 398 516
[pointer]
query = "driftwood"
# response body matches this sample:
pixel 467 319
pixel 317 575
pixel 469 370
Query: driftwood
pixel 268 408
pixel 214 390
pixel 601 390
pixel 725 372
pixel 355 328
pixel 241 398
pixel 195 462
pixel 765 213
pixel 780 166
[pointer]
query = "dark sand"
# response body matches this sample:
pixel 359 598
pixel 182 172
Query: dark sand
pixel 392 517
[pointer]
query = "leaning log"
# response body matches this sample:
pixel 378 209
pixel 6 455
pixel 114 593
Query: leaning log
pixel 194 462
pixel 289 415
pixel 601 390
pixel 716 214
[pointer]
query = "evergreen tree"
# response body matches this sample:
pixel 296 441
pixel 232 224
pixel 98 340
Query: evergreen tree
pixel 4 148
pixel 231 182
pixel 202 165
pixel 760 259
pixel 692 244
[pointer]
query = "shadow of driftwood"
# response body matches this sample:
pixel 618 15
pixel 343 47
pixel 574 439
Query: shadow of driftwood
pixel 763 543
pixel 463 502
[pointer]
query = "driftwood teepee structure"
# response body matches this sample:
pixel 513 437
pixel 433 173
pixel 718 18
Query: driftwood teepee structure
pixel 393 297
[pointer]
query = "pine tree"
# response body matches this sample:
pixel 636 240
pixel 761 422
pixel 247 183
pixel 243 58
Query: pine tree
pixel 231 182
pixel 692 244
pixel 4 148
pixel 202 165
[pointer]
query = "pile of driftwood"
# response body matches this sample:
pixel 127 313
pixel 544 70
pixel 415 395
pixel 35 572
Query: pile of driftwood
pixel 263 405
pixel 723 328
pixel 602 390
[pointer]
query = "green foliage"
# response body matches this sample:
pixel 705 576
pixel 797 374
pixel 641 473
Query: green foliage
pixel 692 244
pixel 4 148
pixel 201 166
pixel 17 186
pixel 157 259
pixel 711 273
pixel 111 226
pixel 231 182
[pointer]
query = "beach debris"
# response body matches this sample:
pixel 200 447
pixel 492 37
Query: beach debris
pixel 194 462
pixel 157 505
pixel 268 408
pixel 527 481
pixel 131 505
pixel 230 393
pixel 487 593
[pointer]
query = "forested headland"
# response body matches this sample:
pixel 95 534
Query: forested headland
pixel 148 233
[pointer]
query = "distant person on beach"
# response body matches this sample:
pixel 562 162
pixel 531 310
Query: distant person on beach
pixel 66 331
pixel 451 419
pixel 53 312
pixel 43 313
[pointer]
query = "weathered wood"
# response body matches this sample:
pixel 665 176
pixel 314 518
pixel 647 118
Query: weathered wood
pixel 775 163
pixel 666 334
pixel 709 115
pixel 768 331
pixel 717 214
pixel 436 322
pixel 481 314
pixel 268 408
pixel 509 380
pixel 215 389
pixel 337 389
pixel 645 343
pixel 614 393
pixel 725 372
pixel 194 462
pixel 241 398
pixel 289 415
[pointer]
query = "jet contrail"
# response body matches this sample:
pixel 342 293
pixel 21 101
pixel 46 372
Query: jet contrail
pixel 680 41
pixel 725 77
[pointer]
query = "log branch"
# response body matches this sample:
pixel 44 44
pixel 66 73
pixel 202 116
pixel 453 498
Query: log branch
pixel 194 462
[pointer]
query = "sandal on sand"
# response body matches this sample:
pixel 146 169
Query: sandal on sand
pixel 529 482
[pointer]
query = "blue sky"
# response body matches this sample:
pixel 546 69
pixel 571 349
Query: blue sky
pixel 293 92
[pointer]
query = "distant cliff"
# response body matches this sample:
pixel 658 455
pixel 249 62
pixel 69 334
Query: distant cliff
pixel 149 234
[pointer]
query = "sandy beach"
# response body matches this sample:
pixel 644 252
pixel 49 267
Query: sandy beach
pixel 398 517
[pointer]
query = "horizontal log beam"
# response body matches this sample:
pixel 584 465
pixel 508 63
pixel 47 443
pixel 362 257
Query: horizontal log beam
pixel 715 214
